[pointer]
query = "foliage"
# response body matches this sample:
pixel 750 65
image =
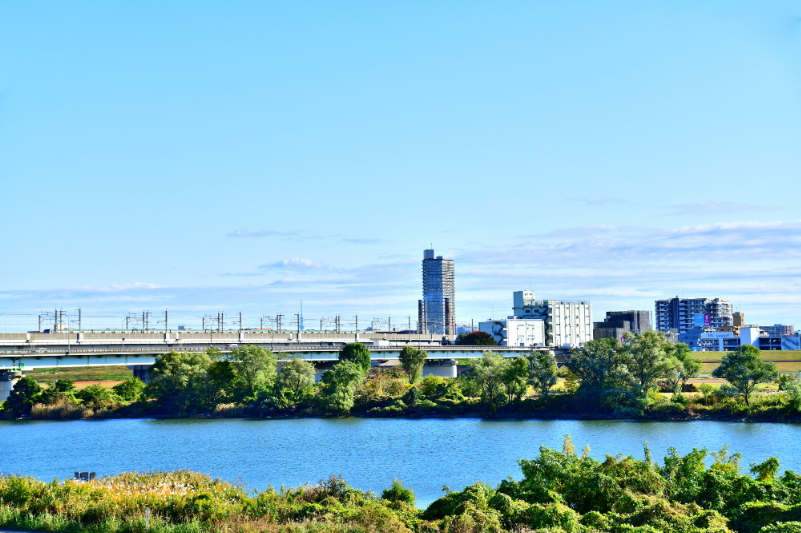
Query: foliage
pixel 558 491
pixel 61 391
pixel 412 360
pixel 600 366
pixel 296 377
pixel 96 397
pixel 515 378
pixel 23 395
pixel 744 369
pixel 339 384
pixel 398 493
pixel 489 374
pixel 542 371
pixel 255 369
pixel 178 381
pixel 475 338
pixel 356 353
pixel 648 359
pixel 129 390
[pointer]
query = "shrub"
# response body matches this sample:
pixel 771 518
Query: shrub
pixel 398 493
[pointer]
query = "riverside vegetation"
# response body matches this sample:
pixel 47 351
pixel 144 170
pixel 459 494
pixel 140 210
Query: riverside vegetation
pixel 643 377
pixel 558 492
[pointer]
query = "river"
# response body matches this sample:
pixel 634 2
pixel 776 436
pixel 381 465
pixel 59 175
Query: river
pixel 425 454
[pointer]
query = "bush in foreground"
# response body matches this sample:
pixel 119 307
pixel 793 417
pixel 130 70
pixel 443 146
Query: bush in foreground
pixel 558 492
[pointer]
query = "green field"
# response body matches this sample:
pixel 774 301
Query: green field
pixel 80 373
pixel 767 355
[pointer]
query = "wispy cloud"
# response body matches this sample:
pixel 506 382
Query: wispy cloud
pixel 295 263
pixel 755 264
pixel 712 208
pixel 261 233
pixel 361 240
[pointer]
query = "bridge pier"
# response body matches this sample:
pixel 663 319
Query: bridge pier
pixel 142 372
pixel 8 378
pixel 444 368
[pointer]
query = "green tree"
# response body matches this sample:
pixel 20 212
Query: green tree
pixel 339 384
pixel 412 360
pixel 129 390
pixel 23 395
pixel 296 376
pixel 64 385
pixel 542 371
pixel 398 493
pixel 672 375
pixel 475 338
pixel 221 381
pixel 599 366
pixel 745 369
pixel 62 391
pixel 691 367
pixel 647 358
pixel 255 368
pixel 515 378
pixel 178 379
pixel 356 353
pixel 488 374
pixel 96 397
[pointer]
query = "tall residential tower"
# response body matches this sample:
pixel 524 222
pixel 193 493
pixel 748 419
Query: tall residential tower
pixel 436 312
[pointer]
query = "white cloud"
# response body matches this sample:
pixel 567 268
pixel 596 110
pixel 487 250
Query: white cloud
pixel 295 263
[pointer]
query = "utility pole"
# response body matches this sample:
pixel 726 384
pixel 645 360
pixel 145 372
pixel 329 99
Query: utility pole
pixel 240 322
pixel 389 324
pixel 40 323
pixel 357 323
pixel 297 319
pixel 79 320
pixel 278 321
pixel 55 320
pixel 410 329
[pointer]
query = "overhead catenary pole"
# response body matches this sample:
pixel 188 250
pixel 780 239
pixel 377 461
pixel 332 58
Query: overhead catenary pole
pixel 79 320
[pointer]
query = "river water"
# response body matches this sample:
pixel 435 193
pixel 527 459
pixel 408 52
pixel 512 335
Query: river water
pixel 425 454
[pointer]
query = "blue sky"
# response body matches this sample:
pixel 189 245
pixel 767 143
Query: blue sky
pixel 210 157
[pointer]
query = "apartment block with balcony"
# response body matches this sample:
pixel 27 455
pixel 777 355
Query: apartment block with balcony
pixel 684 314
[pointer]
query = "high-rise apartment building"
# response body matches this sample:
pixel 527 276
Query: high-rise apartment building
pixel 684 314
pixel 436 312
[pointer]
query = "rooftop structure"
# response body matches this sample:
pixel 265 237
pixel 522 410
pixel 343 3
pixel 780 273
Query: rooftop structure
pixel 436 312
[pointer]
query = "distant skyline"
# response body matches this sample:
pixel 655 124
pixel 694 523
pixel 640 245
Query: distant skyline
pixel 216 157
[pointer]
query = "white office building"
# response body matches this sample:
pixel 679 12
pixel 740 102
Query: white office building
pixel 565 323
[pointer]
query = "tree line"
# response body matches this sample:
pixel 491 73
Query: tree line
pixel 604 376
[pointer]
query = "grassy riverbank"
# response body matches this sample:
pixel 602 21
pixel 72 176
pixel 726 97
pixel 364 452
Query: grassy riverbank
pixel 557 492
